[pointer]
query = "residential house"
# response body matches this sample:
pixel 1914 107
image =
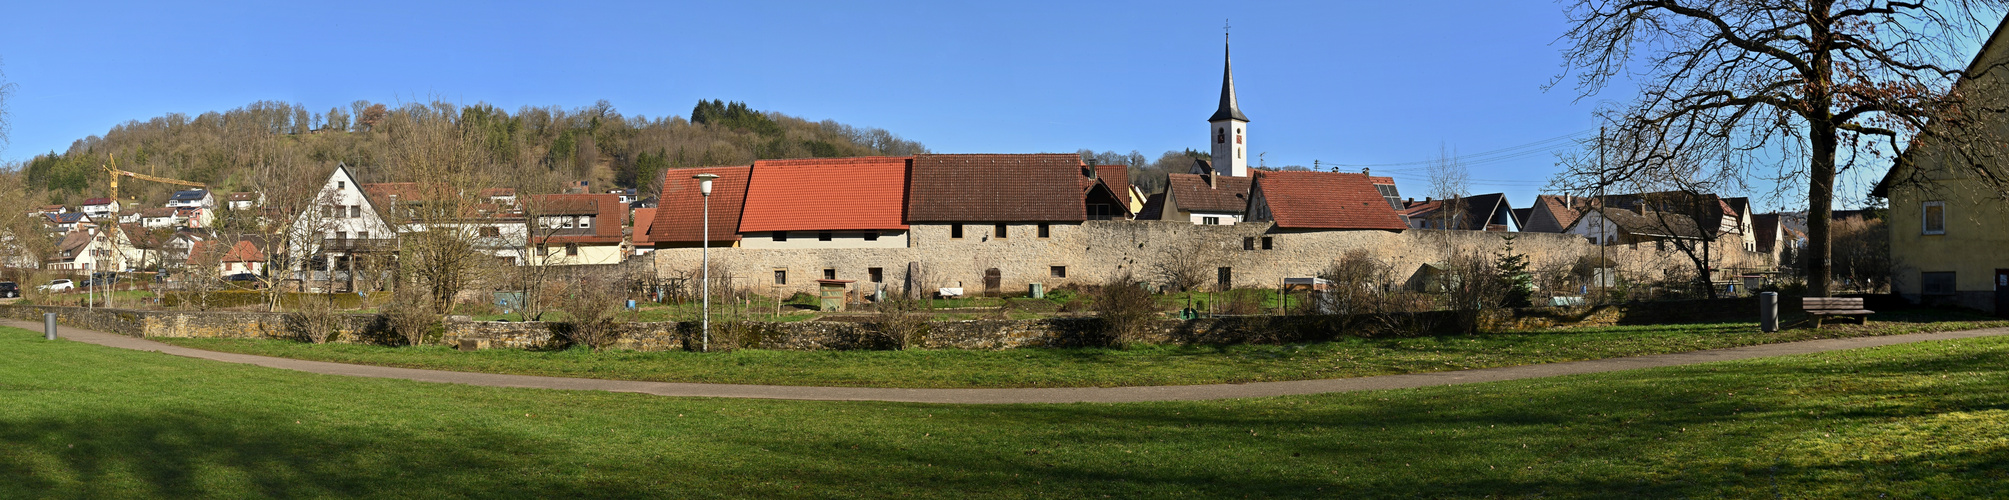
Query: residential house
pixel 1618 226
pixel 575 229
pixel 245 200
pixel 641 238
pixel 1552 213
pixel 99 207
pixel 1485 212
pixel 53 209
pixel 680 220
pixel 1203 198
pixel 67 221
pixel 347 225
pixel 1317 201
pixel 242 256
pixel 1946 215
pixel 626 195
pixel 191 198
pixel 195 217
pixel 159 217
pixel 88 249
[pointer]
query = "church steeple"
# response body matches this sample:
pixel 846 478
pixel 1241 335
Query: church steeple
pixel 1228 128
pixel 1228 110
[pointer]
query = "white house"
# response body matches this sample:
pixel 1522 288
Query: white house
pixel 100 207
pixel 245 200
pixel 346 223
pixel 191 198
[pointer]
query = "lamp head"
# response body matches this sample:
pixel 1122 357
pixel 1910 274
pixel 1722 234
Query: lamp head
pixel 705 183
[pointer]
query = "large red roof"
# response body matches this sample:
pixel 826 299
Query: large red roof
pixel 1044 187
pixel 826 194
pixel 644 220
pixel 1325 200
pixel 1191 192
pixel 679 213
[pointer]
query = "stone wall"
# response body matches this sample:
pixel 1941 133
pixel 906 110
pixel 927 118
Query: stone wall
pixel 1096 251
pixel 834 335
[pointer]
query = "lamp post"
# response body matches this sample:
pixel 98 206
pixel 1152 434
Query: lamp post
pixel 705 187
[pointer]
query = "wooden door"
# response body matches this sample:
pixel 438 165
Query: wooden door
pixel 993 281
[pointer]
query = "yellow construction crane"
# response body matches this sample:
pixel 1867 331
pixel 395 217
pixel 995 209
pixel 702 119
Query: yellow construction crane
pixel 116 174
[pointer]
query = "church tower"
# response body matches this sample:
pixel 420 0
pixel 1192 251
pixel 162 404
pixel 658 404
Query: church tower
pixel 1229 128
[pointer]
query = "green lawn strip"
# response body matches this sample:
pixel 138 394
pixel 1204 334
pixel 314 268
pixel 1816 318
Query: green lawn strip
pixel 1911 421
pixel 1137 366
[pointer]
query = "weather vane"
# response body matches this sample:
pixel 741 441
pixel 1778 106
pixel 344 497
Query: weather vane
pixel 1225 26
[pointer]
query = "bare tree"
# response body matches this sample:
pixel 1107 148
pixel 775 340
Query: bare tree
pixel 436 213
pixel 592 307
pixel 201 274
pixel 1785 83
pixel 1191 261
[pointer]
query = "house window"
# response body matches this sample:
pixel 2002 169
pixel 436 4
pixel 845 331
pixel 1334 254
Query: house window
pixel 571 249
pixel 362 235
pixel 823 236
pixel 544 249
pixel 341 184
pixel 871 236
pixel 565 222
pixel 585 221
pixel 1057 271
pixel 1000 231
pixel 956 231
pixel 355 211
pixel 1935 217
pixel 780 276
pixel 829 274
pixel 491 232
pixel 1098 211
pixel 326 213
pixel 1249 243
pixel 1210 221
pixel 1225 278
pixel 781 236
pixel 877 275
pixel 1268 244
pixel 1045 231
pixel 1936 283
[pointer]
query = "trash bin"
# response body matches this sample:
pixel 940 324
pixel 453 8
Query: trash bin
pixel 1036 290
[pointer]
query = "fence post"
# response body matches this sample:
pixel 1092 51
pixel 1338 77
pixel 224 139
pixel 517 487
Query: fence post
pixel 1768 312
pixel 49 326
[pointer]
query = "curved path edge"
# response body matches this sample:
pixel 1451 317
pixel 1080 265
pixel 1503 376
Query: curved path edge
pixel 1026 395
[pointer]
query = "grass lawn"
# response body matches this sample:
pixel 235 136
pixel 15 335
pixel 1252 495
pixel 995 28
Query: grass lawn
pixel 1148 365
pixel 1915 421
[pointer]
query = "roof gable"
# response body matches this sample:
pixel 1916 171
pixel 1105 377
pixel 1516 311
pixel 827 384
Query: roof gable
pixel 680 216
pixel 1191 192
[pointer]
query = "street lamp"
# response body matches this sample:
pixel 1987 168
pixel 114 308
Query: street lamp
pixel 705 187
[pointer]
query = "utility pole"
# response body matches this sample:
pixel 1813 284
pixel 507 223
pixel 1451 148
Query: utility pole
pixel 1604 276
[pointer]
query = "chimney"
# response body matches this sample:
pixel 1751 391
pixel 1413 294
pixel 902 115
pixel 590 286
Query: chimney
pixel 1210 179
pixel 1091 168
pixel 1366 171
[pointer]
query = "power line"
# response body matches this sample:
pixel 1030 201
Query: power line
pixel 1496 155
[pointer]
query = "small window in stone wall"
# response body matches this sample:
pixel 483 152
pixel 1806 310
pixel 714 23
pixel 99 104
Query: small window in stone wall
pixel 781 276
pixel 823 236
pixel 956 231
pixel 830 274
pixel 1268 244
pixel 1057 271
pixel 1000 230
pixel 1045 231
pixel 1249 243
pixel 1936 283
pixel 878 275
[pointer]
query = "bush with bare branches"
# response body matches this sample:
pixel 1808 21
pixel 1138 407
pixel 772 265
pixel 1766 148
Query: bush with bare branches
pixel 315 318
pixel 592 309
pixel 410 315
pixel 1127 310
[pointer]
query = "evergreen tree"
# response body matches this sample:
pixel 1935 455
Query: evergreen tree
pixel 1515 281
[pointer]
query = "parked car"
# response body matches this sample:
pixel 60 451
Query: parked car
pixel 246 280
pixel 9 290
pixel 58 286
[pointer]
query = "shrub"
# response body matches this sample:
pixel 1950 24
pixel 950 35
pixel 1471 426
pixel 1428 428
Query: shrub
pixel 591 309
pixel 1127 311
pixel 410 315
pixel 315 319
pixel 900 322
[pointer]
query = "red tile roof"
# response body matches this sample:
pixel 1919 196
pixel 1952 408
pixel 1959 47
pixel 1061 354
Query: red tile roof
pixel 1118 178
pixel 826 194
pixel 1325 200
pixel 996 188
pixel 243 251
pixel 644 219
pixel 1190 192
pixel 97 201
pixel 679 216
pixel 1565 214
pixel 607 210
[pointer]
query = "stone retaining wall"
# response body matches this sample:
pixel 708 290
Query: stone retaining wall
pixel 834 335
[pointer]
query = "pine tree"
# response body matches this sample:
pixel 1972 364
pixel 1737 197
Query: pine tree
pixel 1518 285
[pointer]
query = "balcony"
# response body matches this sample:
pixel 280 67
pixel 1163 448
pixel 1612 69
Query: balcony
pixel 363 245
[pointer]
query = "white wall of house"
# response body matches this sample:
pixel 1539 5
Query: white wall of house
pixel 1596 228
pixel 96 211
pixel 1221 218
pixel 891 238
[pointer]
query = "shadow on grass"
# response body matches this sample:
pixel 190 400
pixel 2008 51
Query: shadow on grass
pixel 181 454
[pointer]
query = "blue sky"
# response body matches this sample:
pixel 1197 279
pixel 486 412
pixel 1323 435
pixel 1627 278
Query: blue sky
pixel 1338 82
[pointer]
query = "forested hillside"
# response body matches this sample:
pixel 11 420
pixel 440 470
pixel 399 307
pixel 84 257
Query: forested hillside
pixel 533 148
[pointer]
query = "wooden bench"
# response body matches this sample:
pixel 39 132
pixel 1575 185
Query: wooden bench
pixel 1834 306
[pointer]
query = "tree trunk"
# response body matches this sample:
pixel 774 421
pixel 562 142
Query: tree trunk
pixel 1821 171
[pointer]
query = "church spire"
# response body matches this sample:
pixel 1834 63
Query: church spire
pixel 1228 110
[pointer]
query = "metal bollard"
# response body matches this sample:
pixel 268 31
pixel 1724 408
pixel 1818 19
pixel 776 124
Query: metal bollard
pixel 1768 312
pixel 49 326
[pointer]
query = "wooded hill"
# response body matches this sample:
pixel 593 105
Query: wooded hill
pixel 535 148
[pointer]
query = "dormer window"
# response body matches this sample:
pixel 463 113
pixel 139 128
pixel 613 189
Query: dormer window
pixel 585 221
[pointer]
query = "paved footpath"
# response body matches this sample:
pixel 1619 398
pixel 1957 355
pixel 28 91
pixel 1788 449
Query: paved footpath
pixel 1005 396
